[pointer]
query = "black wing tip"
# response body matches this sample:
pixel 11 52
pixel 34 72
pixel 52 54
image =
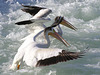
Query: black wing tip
pixel 19 23
pixel 30 6
pixel 24 22
pixel 23 9
pixel 63 56
pixel 73 55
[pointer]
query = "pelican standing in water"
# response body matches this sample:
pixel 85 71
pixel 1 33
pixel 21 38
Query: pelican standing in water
pixel 35 55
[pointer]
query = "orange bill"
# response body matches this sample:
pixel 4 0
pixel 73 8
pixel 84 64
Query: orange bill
pixel 67 24
pixel 58 37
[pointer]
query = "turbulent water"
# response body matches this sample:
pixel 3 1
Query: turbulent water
pixel 83 14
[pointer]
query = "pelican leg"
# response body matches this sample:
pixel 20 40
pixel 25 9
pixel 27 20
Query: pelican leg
pixel 18 66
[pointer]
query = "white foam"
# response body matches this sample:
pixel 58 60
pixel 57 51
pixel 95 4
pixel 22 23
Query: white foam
pixel 1 27
pixel 94 50
pixel 15 36
pixel 51 73
pixel 94 65
pixel 83 14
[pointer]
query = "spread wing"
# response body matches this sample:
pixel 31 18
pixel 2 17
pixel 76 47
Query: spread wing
pixel 63 56
pixel 33 10
pixel 38 14
pixel 40 20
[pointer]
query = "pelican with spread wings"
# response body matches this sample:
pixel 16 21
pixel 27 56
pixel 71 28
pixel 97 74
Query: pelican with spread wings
pixel 35 54
pixel 38 54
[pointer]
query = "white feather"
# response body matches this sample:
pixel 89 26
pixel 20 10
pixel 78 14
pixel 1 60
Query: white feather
pixel 42 54
pixel 41 13
pixel 31 52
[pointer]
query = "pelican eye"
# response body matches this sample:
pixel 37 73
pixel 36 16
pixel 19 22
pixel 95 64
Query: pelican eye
pixel 58 19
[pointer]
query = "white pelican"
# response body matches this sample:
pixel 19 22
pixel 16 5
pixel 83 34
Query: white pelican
pixel 38 13
pixel 35 55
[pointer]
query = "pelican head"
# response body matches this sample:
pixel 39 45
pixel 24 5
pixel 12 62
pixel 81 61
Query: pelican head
pixel 61 20
pixel 50 31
